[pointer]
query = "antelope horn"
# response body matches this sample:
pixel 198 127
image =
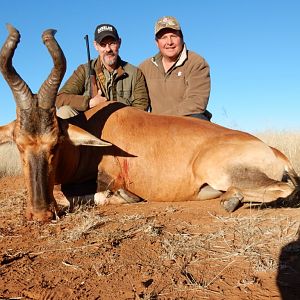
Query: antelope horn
pixel 18 86
pixel 48 90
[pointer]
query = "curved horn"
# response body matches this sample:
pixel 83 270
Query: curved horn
pixel 48 90
pixel 18 86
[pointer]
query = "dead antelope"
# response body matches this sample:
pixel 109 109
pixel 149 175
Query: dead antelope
pixel 157 158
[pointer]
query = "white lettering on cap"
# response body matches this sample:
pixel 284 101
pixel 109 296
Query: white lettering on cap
pixel 104 28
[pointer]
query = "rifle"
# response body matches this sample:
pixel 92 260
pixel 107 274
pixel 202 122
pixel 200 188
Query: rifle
pixel 92 77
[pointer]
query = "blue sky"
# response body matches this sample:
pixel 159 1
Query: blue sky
pixel 252 47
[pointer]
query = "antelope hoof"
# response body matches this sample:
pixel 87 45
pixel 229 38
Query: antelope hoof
pixel 230 205
pixel 40 216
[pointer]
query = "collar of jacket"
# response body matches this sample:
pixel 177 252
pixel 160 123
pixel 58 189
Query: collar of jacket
pixel 98 67
pixel 156 60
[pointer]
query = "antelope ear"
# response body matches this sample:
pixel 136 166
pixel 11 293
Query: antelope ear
pixel 7 132
pixel 78 136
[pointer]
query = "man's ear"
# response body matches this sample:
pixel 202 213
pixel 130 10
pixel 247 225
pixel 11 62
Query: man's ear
pixel 120 42
pixel 96 45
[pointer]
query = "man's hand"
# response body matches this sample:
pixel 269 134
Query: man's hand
pixel 97 99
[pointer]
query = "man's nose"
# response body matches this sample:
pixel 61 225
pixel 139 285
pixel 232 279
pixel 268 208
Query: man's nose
pixel 169 40
pixel 108 46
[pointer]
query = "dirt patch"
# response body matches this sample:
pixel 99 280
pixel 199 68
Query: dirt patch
pixel 192 250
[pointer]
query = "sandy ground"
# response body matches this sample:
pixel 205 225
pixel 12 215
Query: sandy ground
pixel 191 250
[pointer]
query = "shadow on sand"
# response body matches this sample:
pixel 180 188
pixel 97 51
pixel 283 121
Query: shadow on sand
pixel 288 275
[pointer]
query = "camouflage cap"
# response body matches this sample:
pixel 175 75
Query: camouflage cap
pixel 166 22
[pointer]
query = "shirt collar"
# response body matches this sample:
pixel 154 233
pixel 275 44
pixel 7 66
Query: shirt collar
pixel 181 59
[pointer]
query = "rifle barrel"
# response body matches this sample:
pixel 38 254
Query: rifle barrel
pixel 86 37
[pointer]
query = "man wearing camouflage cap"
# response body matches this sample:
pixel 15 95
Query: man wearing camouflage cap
pixel 178 79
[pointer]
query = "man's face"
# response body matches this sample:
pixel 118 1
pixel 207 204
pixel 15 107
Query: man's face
pixel 169 43
pixel 108 50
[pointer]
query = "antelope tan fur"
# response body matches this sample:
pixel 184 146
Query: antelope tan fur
pixel 156 158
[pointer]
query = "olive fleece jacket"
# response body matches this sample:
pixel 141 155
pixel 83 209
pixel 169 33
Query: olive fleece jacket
pixel 126 84
pixel 183 90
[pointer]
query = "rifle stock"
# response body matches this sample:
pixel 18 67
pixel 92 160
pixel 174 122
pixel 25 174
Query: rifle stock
pixel 92 77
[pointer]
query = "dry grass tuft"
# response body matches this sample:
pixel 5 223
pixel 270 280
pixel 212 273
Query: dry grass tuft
pixel 10 162
pixel 86 221
pixel 287 142
pixel 256 239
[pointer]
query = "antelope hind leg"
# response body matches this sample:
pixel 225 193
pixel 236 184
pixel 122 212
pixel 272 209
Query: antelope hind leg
pixel 235 197
pixel 268 192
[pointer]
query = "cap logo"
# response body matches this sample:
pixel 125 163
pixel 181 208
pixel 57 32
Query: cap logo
pixel 167 22
pixel 104 28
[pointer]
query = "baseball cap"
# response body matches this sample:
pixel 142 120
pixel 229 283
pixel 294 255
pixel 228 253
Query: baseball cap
pixel 166 22
pixel 104 30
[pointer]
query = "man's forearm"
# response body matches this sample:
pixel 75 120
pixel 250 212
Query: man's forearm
pixel 78 102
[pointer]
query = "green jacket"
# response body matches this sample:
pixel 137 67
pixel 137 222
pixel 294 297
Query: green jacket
pixel 126 84
pixel 182 90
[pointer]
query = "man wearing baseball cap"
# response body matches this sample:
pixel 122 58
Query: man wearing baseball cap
pixel 116 80
pixel 178 79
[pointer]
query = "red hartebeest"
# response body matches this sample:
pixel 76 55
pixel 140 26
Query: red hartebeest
pixel 157 158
